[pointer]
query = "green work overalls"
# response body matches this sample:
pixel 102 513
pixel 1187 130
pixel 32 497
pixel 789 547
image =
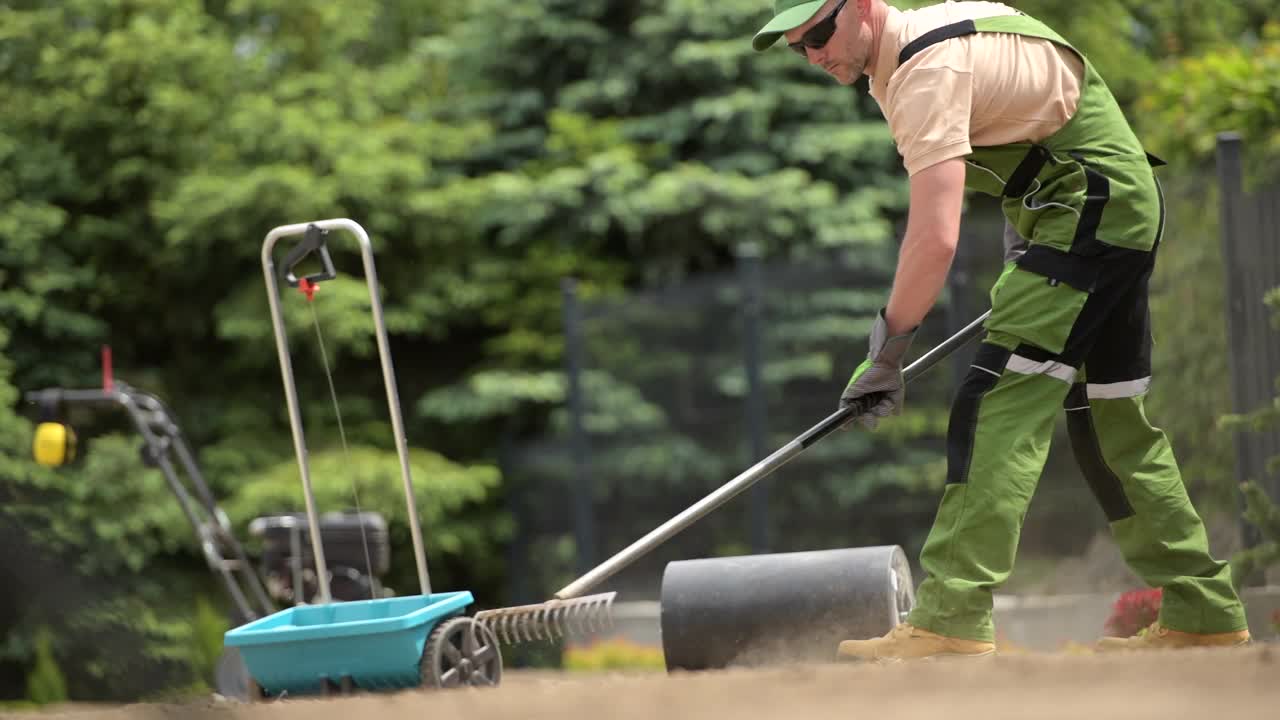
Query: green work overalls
pixel 1089 207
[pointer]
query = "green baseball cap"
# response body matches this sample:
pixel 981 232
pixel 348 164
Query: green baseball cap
pixel 787 14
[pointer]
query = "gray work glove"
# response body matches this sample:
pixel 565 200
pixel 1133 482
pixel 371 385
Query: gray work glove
pixel 880 374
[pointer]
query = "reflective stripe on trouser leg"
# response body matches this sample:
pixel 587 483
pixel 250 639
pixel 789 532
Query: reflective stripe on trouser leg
pixel 1131 467
pixel 972 545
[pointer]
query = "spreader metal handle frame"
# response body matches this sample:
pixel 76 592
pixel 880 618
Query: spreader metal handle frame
pixel 291 393
pixel 760 470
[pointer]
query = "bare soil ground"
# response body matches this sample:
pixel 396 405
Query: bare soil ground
pixel 1199 684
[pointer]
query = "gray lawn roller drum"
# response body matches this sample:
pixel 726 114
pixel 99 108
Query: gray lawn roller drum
pixel 779 608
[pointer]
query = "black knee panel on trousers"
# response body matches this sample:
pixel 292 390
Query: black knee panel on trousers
pixel 1102 481
pixel 988 364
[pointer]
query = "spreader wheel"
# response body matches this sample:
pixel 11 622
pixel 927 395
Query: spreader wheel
pixel 461 652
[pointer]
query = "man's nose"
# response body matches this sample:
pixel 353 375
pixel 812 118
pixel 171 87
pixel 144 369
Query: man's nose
pixel 815 55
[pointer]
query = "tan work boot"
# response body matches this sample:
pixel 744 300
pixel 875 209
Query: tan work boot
pixel 907 642
pixel 1159 637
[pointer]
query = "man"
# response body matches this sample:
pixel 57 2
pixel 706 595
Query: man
pixel 979 95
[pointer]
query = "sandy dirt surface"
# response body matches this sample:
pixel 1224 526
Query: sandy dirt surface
pixel 1200 684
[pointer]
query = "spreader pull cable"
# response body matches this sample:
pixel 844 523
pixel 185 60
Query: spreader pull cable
pixel 308 288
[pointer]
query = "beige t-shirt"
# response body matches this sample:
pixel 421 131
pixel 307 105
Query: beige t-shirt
pixel 976 90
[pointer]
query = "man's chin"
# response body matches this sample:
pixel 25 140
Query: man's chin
pixel 844 77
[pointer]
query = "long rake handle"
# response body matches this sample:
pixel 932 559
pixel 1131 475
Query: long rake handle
pixel 759 471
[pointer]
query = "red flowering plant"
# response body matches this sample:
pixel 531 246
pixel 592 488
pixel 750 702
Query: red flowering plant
pixel 1133 611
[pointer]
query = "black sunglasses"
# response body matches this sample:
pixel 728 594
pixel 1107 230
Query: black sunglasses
pixel 818 35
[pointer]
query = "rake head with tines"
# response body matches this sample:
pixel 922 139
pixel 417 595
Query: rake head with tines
pixel 550 620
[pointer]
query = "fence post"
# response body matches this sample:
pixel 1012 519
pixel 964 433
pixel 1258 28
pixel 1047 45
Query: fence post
pixel 581 508
pixel 756 405
pixel 518 550
pixel 1251 267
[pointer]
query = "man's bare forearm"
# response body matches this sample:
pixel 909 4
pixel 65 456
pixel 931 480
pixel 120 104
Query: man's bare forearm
pixel 933 229
pixel 923 265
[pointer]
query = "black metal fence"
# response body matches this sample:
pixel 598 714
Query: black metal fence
pixel 1250 231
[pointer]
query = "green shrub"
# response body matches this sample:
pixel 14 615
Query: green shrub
pixel 208 628
pixel 46 684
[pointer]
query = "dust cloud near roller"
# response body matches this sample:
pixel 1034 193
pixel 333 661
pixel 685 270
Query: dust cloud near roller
pixel 758 610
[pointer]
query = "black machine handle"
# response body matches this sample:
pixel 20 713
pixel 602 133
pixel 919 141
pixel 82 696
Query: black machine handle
pixel 312 241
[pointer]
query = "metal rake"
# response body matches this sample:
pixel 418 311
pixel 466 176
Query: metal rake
pixel 550 620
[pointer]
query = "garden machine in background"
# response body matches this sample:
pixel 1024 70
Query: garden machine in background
pixel 378 643
pixel 55 445
pixel 286 571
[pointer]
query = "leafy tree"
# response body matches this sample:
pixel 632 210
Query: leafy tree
pixel 653 139
pixel 146 148
pixel 1232 87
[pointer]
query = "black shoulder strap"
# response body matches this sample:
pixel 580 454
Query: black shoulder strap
pixel 946 32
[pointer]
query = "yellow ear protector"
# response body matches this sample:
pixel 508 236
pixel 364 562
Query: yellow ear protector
pixel 54 445
pixel 55 442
